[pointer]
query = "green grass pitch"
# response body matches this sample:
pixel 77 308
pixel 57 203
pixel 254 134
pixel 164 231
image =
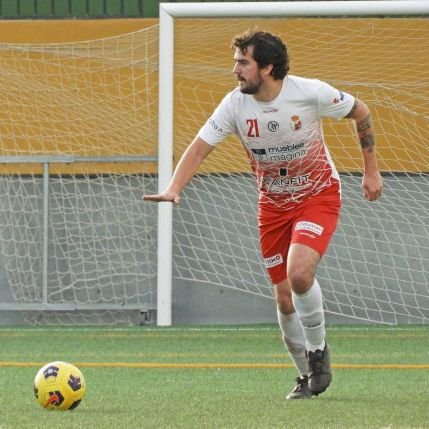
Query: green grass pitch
pixel 217 377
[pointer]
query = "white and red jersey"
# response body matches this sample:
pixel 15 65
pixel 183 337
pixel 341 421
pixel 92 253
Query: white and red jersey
pixel 283 137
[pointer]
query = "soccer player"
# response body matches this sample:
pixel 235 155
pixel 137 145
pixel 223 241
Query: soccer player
pixel 277 117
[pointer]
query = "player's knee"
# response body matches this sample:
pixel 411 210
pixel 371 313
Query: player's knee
pixel 300 281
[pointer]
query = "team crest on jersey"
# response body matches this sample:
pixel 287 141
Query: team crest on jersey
pixel 295 123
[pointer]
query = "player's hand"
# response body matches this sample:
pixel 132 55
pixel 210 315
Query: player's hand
pixel 164 197
pixel 372 185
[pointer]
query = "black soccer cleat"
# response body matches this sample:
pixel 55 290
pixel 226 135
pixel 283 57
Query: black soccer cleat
pixel 320 376
pixel 301 390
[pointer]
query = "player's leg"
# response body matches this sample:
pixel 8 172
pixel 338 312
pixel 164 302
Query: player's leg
pixel 306 294
pixel 308 303
pixel 293 338
pixel 275 237
pixel 311 235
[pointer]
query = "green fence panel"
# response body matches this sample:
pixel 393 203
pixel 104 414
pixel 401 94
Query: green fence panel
pixel 42 9
pixel 83 9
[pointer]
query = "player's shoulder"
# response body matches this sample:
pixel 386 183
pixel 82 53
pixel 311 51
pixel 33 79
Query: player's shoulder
pixel 305 83
pixel 315 89
pixel 235 95
pixel 234 100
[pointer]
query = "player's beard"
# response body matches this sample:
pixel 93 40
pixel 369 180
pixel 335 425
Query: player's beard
pixel 251 86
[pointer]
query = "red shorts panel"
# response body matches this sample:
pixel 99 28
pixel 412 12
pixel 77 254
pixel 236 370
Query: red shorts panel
pixel 312 223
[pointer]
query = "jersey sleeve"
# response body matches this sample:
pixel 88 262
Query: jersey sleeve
pixel 333 103
pixel 220 124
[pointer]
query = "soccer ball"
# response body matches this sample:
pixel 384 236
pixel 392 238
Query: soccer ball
pixel 59 386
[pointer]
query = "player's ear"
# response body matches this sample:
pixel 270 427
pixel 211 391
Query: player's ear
pixel 267 69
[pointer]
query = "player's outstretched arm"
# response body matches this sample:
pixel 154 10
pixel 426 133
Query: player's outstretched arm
pixel 188 165
pixel 372 182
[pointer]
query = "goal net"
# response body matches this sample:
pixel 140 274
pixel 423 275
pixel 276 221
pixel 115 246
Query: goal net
pixel 377 267
pixel 79 139
pixel 77 245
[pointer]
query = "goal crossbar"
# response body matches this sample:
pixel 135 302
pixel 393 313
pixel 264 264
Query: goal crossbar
pixel 167 13
pixel 300 8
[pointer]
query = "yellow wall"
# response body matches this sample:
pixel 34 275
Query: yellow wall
pixel 383 61
pixel 65 31
pixel 72 87
pixel 59 100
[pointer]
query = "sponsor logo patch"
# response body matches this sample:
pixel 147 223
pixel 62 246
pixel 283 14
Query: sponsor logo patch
pixel 215 126
pixel 309 226
pixel 270 110
pixel 273 126
pixel 287 152
pixel 337 100
pixel 273 261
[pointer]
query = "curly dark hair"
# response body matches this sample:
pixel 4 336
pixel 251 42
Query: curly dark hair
pixel 267 49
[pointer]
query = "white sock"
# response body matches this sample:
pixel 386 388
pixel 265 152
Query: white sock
pixel 294 339
pixel 309 307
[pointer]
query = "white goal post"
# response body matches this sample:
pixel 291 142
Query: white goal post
pixel 168 12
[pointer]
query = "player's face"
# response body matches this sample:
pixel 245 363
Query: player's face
pixel 247 72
